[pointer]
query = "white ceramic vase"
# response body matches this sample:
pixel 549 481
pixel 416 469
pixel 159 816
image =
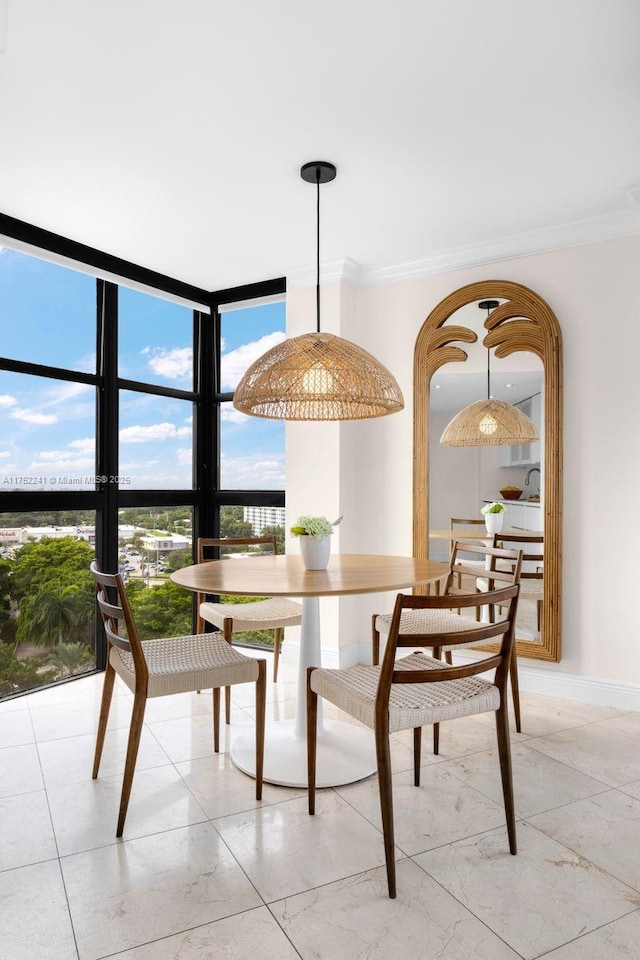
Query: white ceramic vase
pixel 494 522
pixel 315 551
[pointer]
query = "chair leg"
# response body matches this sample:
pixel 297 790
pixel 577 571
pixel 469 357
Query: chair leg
pixel 375 642
pixel 539 614
pixel 135 731
pixel 216 719
pixel 107 692
pixel 417 750
pixel 448 658
pixel 436 651
pixel 277 643
pixel 261 700
pixel 312 736
pixel 504 752
pixel 515 689
pixel 386 805
pixel 227 633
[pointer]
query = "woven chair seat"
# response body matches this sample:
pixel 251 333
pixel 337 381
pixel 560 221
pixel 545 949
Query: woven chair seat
pixel 422 622
pixel 529 587
pixel 261 615
pixel 184 664
pixel 410 705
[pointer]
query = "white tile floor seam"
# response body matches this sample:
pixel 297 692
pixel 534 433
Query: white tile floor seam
pixel 204 870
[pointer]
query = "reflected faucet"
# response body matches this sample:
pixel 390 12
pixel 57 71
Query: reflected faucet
pixel 529 472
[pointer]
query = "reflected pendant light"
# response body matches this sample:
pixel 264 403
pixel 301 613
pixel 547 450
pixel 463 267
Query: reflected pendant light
pixel 489 422
pixel 317 376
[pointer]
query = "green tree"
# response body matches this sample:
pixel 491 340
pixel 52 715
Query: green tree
pixel 17 675
pixel 55 614
pixel 178 559
pixel 278 533
pixel 5 592
pixel 68 659
pixel 232 523
pixel 160 611
pixel 63 562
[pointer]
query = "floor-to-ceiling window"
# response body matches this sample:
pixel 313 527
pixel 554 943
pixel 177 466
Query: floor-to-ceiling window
pixel 118 439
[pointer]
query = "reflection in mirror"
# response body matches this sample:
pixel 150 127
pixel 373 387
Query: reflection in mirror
pixel 450 372
pixel 463 479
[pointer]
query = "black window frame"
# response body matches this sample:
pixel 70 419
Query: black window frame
pixel 205 498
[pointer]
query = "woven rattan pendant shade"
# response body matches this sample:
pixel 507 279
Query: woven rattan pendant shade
pixel 318 376
pixel 489 422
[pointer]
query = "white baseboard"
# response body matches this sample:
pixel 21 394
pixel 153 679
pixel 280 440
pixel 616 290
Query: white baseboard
pixel 602 692
pixel 571 686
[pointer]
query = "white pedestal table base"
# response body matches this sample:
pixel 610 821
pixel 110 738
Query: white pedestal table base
pixel 346 753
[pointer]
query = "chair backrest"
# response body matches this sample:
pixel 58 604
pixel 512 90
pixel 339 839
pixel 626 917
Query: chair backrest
pixel 501 631
pixel 461 522
pixel 206 544
pixel 499 575
pixel 531 560
pixel 116 611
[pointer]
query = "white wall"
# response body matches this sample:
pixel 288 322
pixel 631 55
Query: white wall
pixel 594 291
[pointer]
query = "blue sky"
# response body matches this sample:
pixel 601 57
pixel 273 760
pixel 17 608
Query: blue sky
pixel 47 432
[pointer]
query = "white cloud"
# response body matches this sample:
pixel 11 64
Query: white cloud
pixel 173 364
pixel 245 473
pixel 87 364
pixel 60 460
pixel 155 431
pixel 6 400
pixel 32 416
pixel 184 456
pixel 4 453
pixel 229 414
pixel 234 364
pixel 87 445
pixel 65 392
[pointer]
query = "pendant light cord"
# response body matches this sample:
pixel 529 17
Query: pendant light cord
pixel 318 249
pixel 488 364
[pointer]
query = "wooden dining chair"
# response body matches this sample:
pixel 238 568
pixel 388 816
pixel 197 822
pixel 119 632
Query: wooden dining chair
pixel 158 668
pixel 501 565
pixel 532 572
pixel 272 613
pixel 417 690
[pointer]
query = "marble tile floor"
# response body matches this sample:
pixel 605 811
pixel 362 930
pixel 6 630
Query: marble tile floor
pixel 204 872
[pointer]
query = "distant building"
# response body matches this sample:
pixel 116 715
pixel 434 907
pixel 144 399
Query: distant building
pixel 10 536
pixel 164 541
pixel 56 533
pixel 261 517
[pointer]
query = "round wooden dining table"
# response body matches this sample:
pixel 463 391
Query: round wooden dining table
pixel 346 752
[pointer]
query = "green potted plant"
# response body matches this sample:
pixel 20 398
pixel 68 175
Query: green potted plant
pixel 315 540
pixel 494 516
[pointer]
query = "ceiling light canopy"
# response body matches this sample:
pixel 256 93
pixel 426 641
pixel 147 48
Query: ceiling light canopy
pixel 318 376
pixel 489 422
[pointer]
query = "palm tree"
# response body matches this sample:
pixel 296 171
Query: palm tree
pixel 55 615
pixel 69 659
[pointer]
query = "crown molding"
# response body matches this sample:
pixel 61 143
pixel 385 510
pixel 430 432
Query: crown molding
pixel 343 268
pixel 607 227
pixel 594 230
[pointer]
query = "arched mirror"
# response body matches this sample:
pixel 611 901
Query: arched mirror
pixel 519 343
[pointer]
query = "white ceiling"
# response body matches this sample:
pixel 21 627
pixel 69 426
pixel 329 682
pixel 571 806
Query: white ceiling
pixel 171 133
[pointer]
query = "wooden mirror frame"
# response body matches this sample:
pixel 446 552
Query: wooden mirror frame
pixel 523 322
